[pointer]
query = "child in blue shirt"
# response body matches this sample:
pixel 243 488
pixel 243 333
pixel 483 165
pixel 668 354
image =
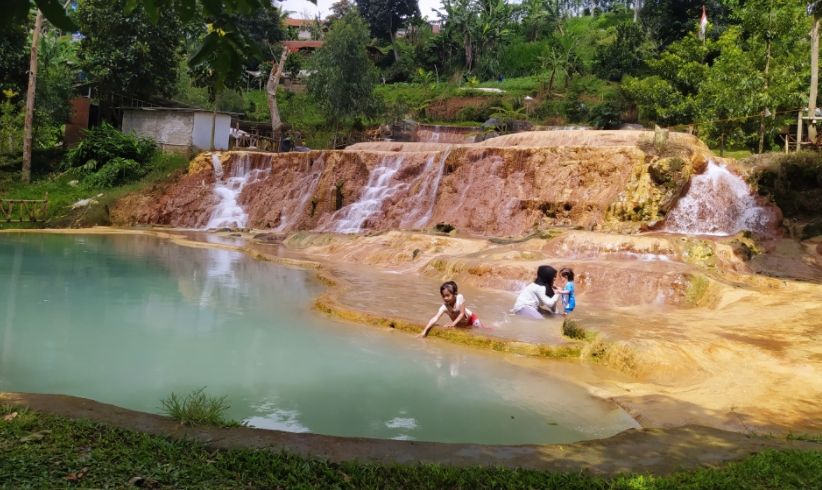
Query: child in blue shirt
pixel 568 298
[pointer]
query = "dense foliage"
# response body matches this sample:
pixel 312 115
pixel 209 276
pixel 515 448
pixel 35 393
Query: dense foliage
pixel 343 77
pixel 106 157
pixel 126 54
pixel 595 62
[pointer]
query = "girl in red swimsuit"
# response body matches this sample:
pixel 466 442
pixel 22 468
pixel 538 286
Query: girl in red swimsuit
pixel 454 305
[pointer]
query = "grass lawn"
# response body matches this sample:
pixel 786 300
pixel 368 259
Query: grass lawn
pixel 43 451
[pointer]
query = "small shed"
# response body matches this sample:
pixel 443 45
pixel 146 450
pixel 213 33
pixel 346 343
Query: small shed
pixel 178 129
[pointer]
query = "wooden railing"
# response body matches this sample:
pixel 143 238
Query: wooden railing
pixel 21 210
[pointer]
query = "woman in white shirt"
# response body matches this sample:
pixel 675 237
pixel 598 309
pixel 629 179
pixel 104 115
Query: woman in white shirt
pixel 539 293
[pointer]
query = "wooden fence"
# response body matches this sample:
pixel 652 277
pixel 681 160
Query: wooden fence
pixel 22 210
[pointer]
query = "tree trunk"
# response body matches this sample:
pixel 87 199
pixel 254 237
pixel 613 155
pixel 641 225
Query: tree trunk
pixel 637 8
pixel 393 37
pixel 271 94
pixel 762 114
pixel 814 79
pixel 214 120
pixel 32 89
pixel 469 52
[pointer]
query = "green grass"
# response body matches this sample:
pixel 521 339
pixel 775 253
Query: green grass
pixel 197 408
pixel 43 451
pixel 519 86
pixel 737 154
pixel 61 195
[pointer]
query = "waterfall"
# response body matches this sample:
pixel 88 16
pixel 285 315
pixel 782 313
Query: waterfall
pixel 426 196
pixel 228 213
pixel 306 185
pixel 719 203
pixel 351 218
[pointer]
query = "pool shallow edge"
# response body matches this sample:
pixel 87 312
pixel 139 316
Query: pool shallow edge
pixel 656 451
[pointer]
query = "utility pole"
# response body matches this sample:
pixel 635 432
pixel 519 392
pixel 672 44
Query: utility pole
pixel 30 93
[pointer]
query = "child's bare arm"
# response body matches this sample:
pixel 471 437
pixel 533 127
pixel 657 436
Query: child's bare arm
pixel 431 324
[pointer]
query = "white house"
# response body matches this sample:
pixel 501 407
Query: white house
pixel 178 129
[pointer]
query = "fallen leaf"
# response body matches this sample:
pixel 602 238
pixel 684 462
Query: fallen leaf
pixel 77 475
pixel 10 417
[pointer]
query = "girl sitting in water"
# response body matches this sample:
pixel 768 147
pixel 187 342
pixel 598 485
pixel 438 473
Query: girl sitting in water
pixel 454 305
pixel 539 293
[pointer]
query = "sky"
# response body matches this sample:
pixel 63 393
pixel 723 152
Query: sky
pixel 302 9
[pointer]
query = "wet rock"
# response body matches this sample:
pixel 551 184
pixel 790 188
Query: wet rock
pixel 444 227
pixel 270 238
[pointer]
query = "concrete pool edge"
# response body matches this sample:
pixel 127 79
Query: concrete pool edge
pixel 656 451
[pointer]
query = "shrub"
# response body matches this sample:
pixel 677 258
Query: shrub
pixel 105 143
pixel 605 115
pixel 571 328
pixel 116 172
pixel 197 408
pixel 522 58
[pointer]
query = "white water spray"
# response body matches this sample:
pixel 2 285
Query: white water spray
pixel 228 213
pixel 379 188
pixel 426 196
pixel 719 203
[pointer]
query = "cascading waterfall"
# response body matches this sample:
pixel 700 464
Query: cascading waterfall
pixel 719 203
pixel 426 196
pixel 351 218
pixel 306 186
pixel 228 213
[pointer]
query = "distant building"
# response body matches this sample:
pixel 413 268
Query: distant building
pixel 178 129
pixel 305 28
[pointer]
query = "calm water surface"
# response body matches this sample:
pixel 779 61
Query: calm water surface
pixel 129 319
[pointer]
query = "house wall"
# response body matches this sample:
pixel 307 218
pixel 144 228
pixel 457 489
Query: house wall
pixel 78 121
pixel 171 130
pixel 201 137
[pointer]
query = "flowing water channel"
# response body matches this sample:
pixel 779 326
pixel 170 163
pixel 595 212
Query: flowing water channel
pixel 129 319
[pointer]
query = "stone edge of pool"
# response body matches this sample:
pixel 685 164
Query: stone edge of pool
pixel 657 451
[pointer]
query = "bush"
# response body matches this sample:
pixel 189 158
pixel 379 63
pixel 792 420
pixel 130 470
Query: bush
pixel 105 143
pixel 522 58
pixel 605 116
pixel 116 172
pixel 197 408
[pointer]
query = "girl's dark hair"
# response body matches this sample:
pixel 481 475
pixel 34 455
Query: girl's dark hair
pixel 451 286
pixel 567 273
pixel 545 277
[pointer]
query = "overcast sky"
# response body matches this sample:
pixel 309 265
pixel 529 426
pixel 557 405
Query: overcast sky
pixel 302 9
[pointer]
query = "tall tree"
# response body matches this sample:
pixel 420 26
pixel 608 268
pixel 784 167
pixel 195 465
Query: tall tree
pixel 814 9
pixel 225 41
pixel 670 20
pixel 30 94
pixel 125 53
pixel 13 55
pixel 343 77
pixel 385 17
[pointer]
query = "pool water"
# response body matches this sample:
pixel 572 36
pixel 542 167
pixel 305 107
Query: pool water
pixel 129 319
